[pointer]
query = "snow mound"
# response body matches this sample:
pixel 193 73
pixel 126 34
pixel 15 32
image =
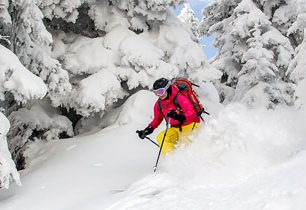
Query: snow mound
pixel 137 108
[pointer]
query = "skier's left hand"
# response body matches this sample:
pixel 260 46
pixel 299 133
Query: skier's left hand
pixel 174 115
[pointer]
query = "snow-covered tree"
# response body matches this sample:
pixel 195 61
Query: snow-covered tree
pixel 8 172
pixel 129 45
pixel 297 71
pixel 286 16
pixel 32 44
pixel 27 124
pixel 296 30
pixel 254 55
pixel 297 68
pixel 26 35
pixel 32 126
pixel 187 16
pixel 24 86
pixel 216 19
pixel 5 23
pixel 63 9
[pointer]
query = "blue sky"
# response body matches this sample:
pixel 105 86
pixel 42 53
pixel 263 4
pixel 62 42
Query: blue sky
pixel 197 6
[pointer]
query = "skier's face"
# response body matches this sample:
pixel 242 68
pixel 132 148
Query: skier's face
pixel 164 96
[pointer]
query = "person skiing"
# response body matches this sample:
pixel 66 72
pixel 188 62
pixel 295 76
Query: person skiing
pixel 183 119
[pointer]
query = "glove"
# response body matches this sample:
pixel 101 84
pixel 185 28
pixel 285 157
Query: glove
pixel 174 115
pixel 143 133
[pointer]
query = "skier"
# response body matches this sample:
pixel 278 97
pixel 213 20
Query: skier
pixel 182 116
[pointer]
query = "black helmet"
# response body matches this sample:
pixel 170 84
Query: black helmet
pixel 161 83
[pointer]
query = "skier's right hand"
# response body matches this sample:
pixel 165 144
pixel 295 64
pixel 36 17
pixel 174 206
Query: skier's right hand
pixel 143 133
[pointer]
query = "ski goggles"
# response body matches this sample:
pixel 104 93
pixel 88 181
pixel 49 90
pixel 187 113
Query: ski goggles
pixel 162 91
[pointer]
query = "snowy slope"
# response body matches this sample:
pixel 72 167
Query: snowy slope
pixel 277 188
pixel 241 159
pixel 80 170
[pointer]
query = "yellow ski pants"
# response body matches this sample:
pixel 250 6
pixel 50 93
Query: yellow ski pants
pixel 175 136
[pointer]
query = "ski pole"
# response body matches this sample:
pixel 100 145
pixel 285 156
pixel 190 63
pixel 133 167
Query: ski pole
pixel 152 141
pixel 161 146
pixel 149 139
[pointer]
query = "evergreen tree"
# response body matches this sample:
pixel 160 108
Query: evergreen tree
pixel 5 23
pixel 254 55
pixel 287 16
pixel 23 86
pixel 187 16
pixel 296 29
pixel 27 37
pixel 107 32
pixel 216 19
pixel 31 42
pixel 297 71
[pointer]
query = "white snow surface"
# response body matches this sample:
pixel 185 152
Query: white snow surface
pixel 240 159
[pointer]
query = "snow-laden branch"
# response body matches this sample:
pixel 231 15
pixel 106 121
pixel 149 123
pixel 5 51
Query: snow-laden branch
pixel 15 78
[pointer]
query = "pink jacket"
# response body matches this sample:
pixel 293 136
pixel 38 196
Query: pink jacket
pixel 168 104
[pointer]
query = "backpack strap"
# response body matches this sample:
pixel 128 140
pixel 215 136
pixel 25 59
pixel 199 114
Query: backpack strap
pixel 178 107
pixel 160 106
pixel 176 104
